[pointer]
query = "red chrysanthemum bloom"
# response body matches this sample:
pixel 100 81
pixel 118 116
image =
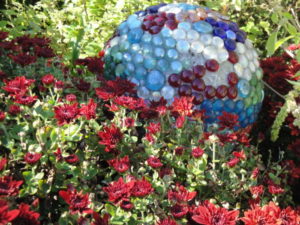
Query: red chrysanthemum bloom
pixel 72 159
pixel 26 216
pixel 228 120
pixel 165 171
pixel 110 137
pixel 9 187
pixel 179 210
pixel 275 189
pixel 241 155
pixel 232 163
pixel 14 110
pixel 167 221
pixel 19 85
pixel 209 214
pixel 179 150
pixel 89 110
pixel 153 128
pixel 48 79
pixel 3 162
pixel 227 138
pixel 197 152
pixel 255 173
pixel 119 190
pixel 45 52
pixel 58 154
pixel 288 216
pixel 78 202
pixel 24 99
pixel 2 116
pixel 3 35
pixel 32 158
pixel 59 84
pixel 256 191
pixel 130 102
pixel 98 220
pixel 66 114
pixel 23 59
pixel 82 85
pixel 141 188
pixel 126 205
pixel 180 194
pixel 121 165
pixel 183 106
pixel 71 98
pixel 154 162
pixel 5 215
pixel 179 121
pixel 129 122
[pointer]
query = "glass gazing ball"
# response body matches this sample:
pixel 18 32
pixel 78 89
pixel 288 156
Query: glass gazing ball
pixel 173 50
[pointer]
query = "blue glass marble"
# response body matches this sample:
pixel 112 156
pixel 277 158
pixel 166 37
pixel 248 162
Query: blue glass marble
pixel 138 58
pixel 230 34
pixel 135 47
pixel 135 35
pixel 157 40
pixel 147 49
pixel 127 57
pixel 183 46
pixel 125 45
pixel 219 32
pixel 146 38
pixel 218 105
pixel 149 63
pixel 118 57
pixel 141 13
pixel 166 32
pixel 239 106
pixel 223 25
pixel 133 21
pixel 243 87
pixel 250 110
pixel 211 21
pixel 162 65
pixel 252 118
pixel 159 52
pixel 185 26
pixel 123 28
pixel 207 105
pixel 233 26
pixel 230 44
pixel 170 43
pixel 244 123
pixel 172 54
pixel 140 73
pixel 242 116
pixel 229 105
pixel 130 67
pixel 119 69
pixel 176 66
pixel 155 80
pixel 202 27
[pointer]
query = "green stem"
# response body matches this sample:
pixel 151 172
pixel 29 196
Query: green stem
pixel 214 155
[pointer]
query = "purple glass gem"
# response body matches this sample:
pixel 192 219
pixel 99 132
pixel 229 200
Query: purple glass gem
pixel 223 25
pixel 233 26
pixel 240 36
pixel 219 32
pixel 230 44
pixel 211 21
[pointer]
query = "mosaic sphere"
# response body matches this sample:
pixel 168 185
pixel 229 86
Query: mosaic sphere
pixel 171 50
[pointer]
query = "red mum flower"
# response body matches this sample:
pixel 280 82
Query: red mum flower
pixel 3 162
pixel 126 205
pixel 227 138
pixel 179 210
pixel 2 116
pixel 26 216
pixel 71 98
pixel 130 102
pixel 78 202
pixel 65 114
pixel 180 194
pixel 141 188
pixel 45 52
pixel 197 152
pixel 89 110
pixel 23 59
pixel 3 35
pixel 275 189
pixel 5 215
pixel 119 190
pixel 72 159
pixel 183 106
pixel 233 162
pixel 255 173
pixel 167 221
pixel 19 85
pixel 100 220
pixel 129 122
pixel 58 154
pixel 9 187
pixel 179 151
pixel 241 155
pixel 82 85
pixel 165 171
pixel 110 137
pixel 153 128
pixel 121 165
pixel 288 216
pixel 179 121
pixel 256 191
pixel 154 162
pixel 209 214
pixel 59 84
pixel 32 158
pixel 14 110
pixel 228 120
pixel 24 99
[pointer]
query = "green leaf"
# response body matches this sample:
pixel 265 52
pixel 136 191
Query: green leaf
pixel 271 43
pixel 274 18
pixel 298 56
pixel 287 15
pixel 296 83
pixel 281 42
pixel 297 74
pixel 110 209
pixel 291 29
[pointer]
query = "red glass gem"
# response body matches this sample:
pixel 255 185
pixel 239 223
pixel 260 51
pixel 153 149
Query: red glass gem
pixel 159 21
pixel 187 76
pixel 221 91
pixel 150 17
pixel 198 98
pixel 172 24
pixel 162 14
pixel 171 16
pixel 232 92
pixel 155 29
pixel 199 71
pixel 147 25
pixel 233 57
pixel 185 90
pixel 198 85
pixel 232 78
pixel 212 65
pixel 210 92
pixel 174 80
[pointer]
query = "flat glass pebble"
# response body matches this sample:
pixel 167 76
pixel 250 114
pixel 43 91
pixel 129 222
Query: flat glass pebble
pixel 185 26
pixel 248 43
pixel 239 106
pixel 243 88
pixel 130 67
pixel 172 54
pixel 166 32
pixel 238 69
pixel 149 63
pixel 147 37
pixel 197 47
pixel 159 52
pixel 135 47
pixel 222 55
pixel 179 34
pixel 249 54
pixel 134 23
pixel 240 48
pixel 127 57
pixel 120 69
pixel 230 44
pixel 124 46
pixel 202 27
pixel 135 35
pixel 218 105
pixel 162 65
pixel 259 73
pixel 140 73
pixel 176 66
pixel 210 52
pixel 157 40
pixel 230 34
pixel 147 49
pixel 167 92
pixel 192 35
pixel 114 41
pixel 182 46
pixel 118 57
pixel 206 39
pixel 155 80
pixel 252 67
pixel 218 42
pixel 143 92
pixel 170 43
pixel 229 105
pixel 138 58
pixel 219 32
pixel 247 74
pixel 250 110
pixel 156 95
pixel 135 81
pixel 243 61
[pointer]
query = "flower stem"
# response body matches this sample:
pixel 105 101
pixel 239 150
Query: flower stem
pixel 272 89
